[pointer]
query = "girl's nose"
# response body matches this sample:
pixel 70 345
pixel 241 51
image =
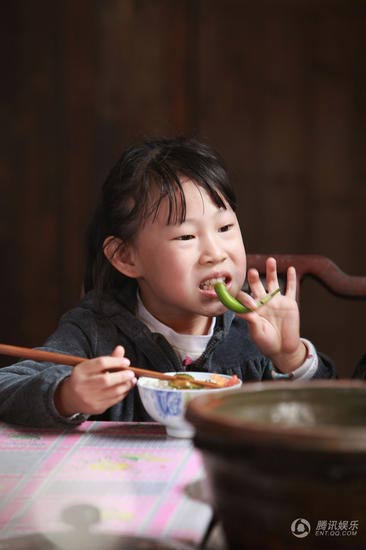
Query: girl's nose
pixel 212 252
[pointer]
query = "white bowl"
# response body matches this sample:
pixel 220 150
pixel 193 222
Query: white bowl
pixel 168 405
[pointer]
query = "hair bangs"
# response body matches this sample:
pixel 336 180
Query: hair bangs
pixel 168 184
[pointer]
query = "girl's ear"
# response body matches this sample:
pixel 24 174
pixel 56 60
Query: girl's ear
pixel 121 256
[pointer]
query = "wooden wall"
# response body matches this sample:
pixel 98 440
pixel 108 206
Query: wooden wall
pixel 277 86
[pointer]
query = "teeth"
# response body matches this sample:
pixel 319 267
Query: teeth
pixel 209 284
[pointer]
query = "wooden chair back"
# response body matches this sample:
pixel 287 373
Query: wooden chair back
pixel 318 267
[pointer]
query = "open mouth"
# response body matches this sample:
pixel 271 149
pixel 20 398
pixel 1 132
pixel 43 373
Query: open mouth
pixel 208 284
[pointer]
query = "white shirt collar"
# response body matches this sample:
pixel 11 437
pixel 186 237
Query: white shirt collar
pixel 186 345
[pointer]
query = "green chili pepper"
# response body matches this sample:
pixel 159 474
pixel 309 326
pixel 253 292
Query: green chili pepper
pixel 184 382
pixel 228 300
pixel 232 303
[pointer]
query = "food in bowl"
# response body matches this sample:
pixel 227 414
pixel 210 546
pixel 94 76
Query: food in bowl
pixel 187 382
pixel 167 405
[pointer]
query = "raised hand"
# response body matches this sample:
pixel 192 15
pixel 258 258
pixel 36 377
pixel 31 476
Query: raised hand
pixel 275 326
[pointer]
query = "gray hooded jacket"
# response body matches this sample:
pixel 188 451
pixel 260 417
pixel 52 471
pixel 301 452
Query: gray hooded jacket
pixel 94 329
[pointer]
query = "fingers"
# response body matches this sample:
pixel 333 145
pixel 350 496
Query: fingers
pixel 271 275
pixel 96 393
pixel 102 401
pixel 114 386
pixel 256 285
pixel 101 364
pixel 115 366
pixel 119 351
pixel 97 384
pixel 110 379
pixel 272 278
pixel 291 283
pixel 246 300
pixel 105 373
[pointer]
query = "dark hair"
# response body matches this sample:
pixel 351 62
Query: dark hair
pixel 129 197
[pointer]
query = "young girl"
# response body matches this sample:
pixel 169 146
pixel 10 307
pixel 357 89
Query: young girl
pixel 165 231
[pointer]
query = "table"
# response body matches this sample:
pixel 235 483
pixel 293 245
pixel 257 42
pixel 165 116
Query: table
pixel 100 485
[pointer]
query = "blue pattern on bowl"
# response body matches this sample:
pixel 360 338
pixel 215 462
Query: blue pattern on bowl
pixel 168 403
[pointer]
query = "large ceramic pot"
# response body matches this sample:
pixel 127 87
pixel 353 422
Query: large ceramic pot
pixel 286 463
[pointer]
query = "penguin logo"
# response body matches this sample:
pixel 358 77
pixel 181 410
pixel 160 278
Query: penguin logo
pixel 300 528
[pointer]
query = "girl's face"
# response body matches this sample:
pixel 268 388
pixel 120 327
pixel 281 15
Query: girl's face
pixel 177 264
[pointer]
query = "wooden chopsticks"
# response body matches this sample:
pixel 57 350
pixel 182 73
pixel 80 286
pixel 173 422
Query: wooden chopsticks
pixel 72 360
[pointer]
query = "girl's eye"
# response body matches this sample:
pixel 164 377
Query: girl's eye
pixel 225 228
pixel 185 237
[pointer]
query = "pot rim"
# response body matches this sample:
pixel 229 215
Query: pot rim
pixel 235 431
